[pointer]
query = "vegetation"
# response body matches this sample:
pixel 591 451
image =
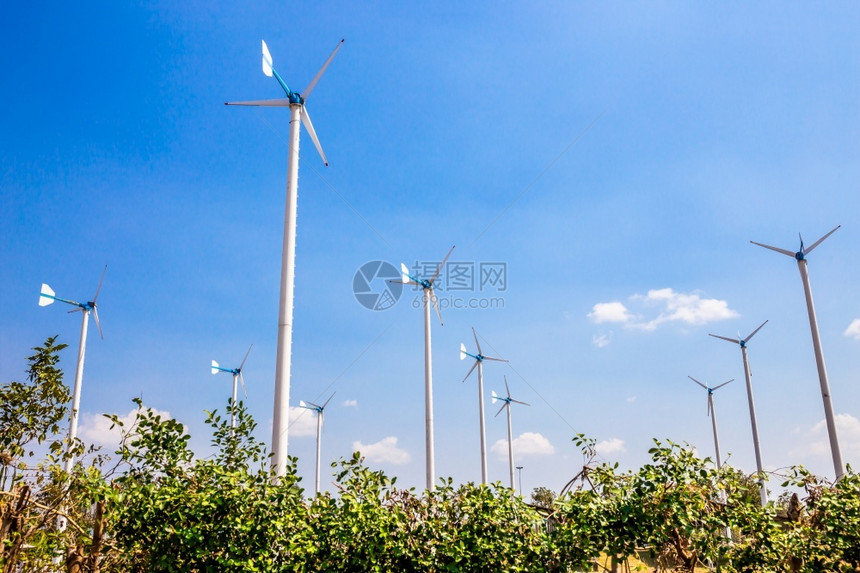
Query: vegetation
pixel 154 506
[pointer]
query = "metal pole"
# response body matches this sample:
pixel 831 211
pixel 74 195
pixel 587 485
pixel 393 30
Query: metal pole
pixel 822 373
pixel 520 472
pixel 483 431
pixel 756 445
pixel 319 441
pixel 233 409
pixel 428 393
pixel 76 396
pixel 281 415
pixel 714 425
pixel 510 447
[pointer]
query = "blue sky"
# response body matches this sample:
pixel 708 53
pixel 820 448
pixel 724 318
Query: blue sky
pixel 605 153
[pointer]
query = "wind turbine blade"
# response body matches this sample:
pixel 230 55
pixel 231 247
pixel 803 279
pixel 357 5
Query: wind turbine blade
pixel 463 352
pixel 215 368
pixel 267 60
pixel 442 264
pixel 697 382
pixel 478 344
pixel 808 249
pixel 495 359
pixel 747 339
pixel 312 85
pixel 715 388
pixel 519 402
pixel 474 365
pixel 281 102
pixel 306 120
pixel 244 390
pixel 436 305
pixel 99 288
pixel 98 324
pixel 327 401
pixel 46 296
pixel 500 409
pixel 507 388
pixel 734 340
pixel 246 357
pixel 777 249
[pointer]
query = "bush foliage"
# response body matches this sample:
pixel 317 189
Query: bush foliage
pixel 154 506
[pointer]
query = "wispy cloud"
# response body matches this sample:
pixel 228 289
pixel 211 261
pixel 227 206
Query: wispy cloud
pixel 302 422
pixel 383 451
pixel 601 340
pixel 814 441
pixel 853 329
pixel 610 446
pixel 96 428
pixel 670 306
pixel 350 403
pixel 527 444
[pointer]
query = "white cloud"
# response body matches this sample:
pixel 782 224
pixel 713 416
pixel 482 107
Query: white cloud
pixel 610 312
pixel 303 422
pixel 350 403
pixel 853 329
pixel 684 308
pixel 601 341
pixel 528 443
pixel 631 399
pixel 814 441
pixel 96 428
pixel 610 446
pixel 383 451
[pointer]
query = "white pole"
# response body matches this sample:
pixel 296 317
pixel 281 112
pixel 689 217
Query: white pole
pixel 76 396
pixel 319 435
pixel 483 431
pixel 233 409
pixel 511 448
pixel 714 425
pixel 822 372
pixel 756 445
pixel 428 393
pixel 281 415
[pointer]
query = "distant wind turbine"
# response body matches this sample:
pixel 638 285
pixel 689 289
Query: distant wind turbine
pixel 479 363
pixel 46 297
pixel 237 377
pixel 429 298
pixel 298 113
pixel 742 342
pixel 713 414
pixel 507 404
pixel 319 411
pixel 800 256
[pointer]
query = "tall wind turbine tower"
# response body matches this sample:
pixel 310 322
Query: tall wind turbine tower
pixel 46 297
pixel 800 257
pixel 713 414
pixel 742 342
pixel 507 404
pixel 237 377
pixel 298 113
pixel 429 299
pixel 319 410
pixel 479 363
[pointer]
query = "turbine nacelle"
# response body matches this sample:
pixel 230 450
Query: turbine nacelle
pixel 47 296
pixel 316 407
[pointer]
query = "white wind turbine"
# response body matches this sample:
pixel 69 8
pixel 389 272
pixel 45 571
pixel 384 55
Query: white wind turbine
pixel 319 410
pixel 237 377
pixel 429 298
pixel 742 342
pixel 800 256
pixel 713 414
pixel 507 404
pixel 479 363
pixel 46 297
pixel 298 113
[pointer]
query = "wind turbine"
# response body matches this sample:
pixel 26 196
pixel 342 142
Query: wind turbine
pixel 319 411
pixel 742 342
pixel 507 404
pixel 479 363
pixel 713 414
pixel 237 377
pixel 46 297
pixel 429 297
pixel 800 256
pixel 298 113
